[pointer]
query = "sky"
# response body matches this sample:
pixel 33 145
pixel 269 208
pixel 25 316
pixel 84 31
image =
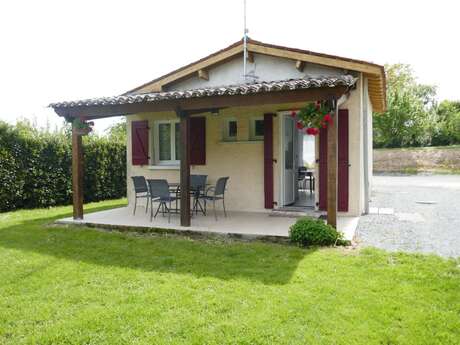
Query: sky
pixel 66 50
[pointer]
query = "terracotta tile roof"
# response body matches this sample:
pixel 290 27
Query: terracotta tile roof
pixel 229 90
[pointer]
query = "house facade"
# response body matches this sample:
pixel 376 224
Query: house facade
pixel 207 118
pixel 240 155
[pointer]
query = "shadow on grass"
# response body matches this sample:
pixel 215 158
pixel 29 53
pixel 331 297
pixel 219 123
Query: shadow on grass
pixel 264 263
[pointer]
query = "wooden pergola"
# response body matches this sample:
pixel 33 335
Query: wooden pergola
pixel 184 108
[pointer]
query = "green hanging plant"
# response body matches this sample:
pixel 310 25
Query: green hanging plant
pixel 313 116
pixel 82 126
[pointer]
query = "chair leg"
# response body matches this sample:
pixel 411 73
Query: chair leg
pixel 151 210
pixel 135 205
pixel 214 207
pixel 223 204
pixel 169 212
pixel 158 210
pixel 147 205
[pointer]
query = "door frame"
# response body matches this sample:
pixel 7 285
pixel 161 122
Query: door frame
pixel 281 115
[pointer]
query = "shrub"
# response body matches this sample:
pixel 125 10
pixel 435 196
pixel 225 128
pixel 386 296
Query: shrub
pixel 309 231
pixel 36 167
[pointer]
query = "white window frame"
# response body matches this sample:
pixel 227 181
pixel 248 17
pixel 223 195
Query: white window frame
pixel 156 143
pixel 252 128
pixel 226 129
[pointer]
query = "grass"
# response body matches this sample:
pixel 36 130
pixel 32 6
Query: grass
pixel 68 285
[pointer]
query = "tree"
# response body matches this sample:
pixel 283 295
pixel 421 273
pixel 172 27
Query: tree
pixel 117 132
pixel 446 129
pixel 410 112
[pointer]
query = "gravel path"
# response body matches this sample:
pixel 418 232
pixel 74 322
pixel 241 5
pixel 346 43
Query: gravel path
pixel 417 214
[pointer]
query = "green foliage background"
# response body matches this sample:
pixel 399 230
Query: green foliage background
pixel 35 167
pixel 413 116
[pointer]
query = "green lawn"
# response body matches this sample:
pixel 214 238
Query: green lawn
pixel 65 285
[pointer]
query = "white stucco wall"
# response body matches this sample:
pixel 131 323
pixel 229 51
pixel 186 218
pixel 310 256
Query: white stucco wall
pixel 243 161
pixel 355 158
pixel 370 144
pixel 266 68
pixel 355 153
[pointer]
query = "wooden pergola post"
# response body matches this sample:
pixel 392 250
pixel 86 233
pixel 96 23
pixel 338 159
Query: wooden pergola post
pixel 77 174
pixel 184 167
pixel 332 168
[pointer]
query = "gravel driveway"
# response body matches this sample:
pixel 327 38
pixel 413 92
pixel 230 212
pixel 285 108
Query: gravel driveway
pixel 418 213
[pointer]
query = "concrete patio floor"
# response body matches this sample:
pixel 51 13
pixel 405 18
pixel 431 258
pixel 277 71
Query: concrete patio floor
pixel 239 224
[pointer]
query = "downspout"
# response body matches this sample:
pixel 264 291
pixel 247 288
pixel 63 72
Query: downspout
pixel 366 146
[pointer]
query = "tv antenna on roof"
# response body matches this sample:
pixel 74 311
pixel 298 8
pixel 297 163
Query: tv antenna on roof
pixel 245 45
pixel 251 76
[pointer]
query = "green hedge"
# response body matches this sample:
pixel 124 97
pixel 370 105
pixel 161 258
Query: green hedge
pixel 35 168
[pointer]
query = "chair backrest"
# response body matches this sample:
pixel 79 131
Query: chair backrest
pixel 220 185
pixel 302 172
pixel 159 188
pixel 140 185
pixel 198 182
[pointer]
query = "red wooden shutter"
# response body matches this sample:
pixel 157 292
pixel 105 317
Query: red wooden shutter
pixel 140 142
pixel 342 164
pixel 323 169
pixel 342 161
pixel 197 141
pixel 268 160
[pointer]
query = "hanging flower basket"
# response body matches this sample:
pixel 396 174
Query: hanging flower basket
pixel 81 126
pixel 313 117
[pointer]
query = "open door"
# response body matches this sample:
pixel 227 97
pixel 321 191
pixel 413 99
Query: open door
pixel 289 160
pixel 342 164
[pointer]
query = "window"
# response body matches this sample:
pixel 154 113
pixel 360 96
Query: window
pixel 167 142
pixel 230 129
pixel 257 128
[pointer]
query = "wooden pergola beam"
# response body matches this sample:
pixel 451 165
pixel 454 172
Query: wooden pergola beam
pixel 77 174
pixel 185 214
pixel 332 168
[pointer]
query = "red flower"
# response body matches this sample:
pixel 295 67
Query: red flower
pixel 327 118
pixel 315 131
pixel 310 131
pixel 299 125
pixel 293 113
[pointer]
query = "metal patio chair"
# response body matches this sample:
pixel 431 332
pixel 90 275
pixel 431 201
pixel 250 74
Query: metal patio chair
pixel 141 191
pixel 218 193
pixel 159 192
